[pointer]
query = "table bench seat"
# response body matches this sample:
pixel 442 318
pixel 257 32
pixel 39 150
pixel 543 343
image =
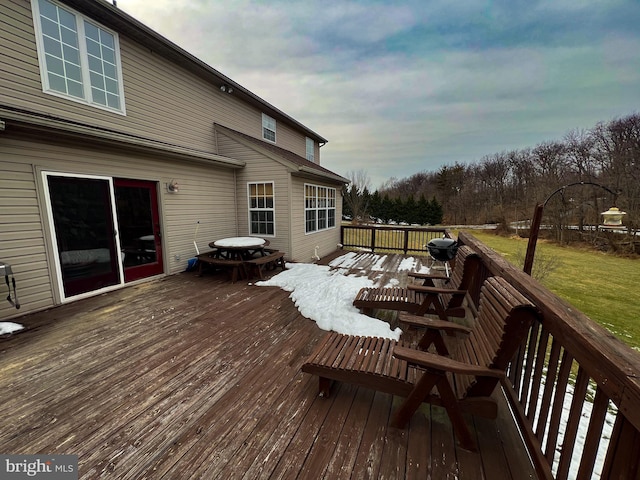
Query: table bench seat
pixel 234 267
pixel 271 260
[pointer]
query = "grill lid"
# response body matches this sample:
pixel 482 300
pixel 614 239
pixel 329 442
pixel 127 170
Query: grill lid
pixel 442 249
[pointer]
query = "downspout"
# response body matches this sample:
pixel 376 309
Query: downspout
pixel 235 200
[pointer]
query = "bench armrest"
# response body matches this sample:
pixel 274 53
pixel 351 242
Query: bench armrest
pixel 423 289
pixel 428 276
pixel 436 324
pixel 445 364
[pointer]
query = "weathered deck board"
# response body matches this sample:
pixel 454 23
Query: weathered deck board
pixel 195 377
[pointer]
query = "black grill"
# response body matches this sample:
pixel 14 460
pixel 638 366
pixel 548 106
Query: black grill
pixel 442 249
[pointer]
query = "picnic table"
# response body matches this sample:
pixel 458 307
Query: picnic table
pixel 239 248
pixel 241 256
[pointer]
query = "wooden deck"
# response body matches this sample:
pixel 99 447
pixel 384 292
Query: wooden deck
pixel 195 377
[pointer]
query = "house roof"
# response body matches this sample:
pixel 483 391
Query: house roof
pixel 111 16
pixel 295 162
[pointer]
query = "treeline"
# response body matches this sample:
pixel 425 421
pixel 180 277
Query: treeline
pixel 399 209
pixel 505 187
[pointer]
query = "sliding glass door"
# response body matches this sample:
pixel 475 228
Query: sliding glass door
pixel 84 232
pixel 106 231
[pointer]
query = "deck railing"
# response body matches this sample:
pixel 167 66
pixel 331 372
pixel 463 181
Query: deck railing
pixel 389 238
pixel 574 388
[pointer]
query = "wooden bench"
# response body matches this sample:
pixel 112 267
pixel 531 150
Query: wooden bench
pixel 235 268
pixel 446 301
pixel 273 259
pixel 463 382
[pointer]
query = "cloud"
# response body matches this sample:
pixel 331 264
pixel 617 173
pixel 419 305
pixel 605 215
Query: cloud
pixel 401 87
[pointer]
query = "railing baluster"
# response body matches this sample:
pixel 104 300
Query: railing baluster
pixel 541 357
pixel 550 379
pixel 623 452
pixel 594 433
pixel 558 403
pixel 573 422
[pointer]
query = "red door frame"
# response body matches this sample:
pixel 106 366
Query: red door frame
pixel 153 268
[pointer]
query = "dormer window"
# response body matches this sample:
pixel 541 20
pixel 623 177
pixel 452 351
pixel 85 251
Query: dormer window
pixel 268 128
pixel 79 58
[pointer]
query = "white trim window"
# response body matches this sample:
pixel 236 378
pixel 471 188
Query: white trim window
pixel 79 59
pixel 319 208
pixel 268 128
pixel 311 150
pixel 262 210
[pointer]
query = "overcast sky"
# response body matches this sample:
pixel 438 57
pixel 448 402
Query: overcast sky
pixel 403 87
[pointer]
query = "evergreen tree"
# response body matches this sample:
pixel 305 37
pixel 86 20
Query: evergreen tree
pixel 435 211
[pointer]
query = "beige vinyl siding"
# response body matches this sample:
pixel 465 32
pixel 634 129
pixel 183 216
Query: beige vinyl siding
pixel 163 101
pixel 304 243
pixel 260 168
pixel 21 238
pixel 206 194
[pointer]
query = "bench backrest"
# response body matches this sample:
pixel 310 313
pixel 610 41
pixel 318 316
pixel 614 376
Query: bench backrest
pixel 466 265
pixel 502 324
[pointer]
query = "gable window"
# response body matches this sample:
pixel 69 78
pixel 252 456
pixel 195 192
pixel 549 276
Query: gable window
pixel 79 59
pixel 268 128
pixel 319 208
pixel 261 209
pixel 310 150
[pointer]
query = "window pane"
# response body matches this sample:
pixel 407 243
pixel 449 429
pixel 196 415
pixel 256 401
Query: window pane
pixel 69 36
pixel 67 19
pixel 93 48
pixel 322 219
pixel 48 9
pixel 95 65
pixel 111 86
pixel 91 31
pixel 108 40
pixel 97 80
pixel 54 65
pixel 269 135
pixel 52 47
pixel 57 83
pixel 73 72
pixel 110 70
pixel 75 89
pixel 50 28
pixel 71 54
pixel 113 101
pixel 108 54
pixel 98 96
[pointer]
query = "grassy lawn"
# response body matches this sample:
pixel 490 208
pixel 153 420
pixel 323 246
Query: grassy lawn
pixel 602 286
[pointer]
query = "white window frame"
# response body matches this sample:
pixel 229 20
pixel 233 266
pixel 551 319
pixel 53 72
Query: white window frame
pixel 319 208
pixel 268 127
pixel 311 149
pixel 54 239
pixel 265 208
pixel 86 67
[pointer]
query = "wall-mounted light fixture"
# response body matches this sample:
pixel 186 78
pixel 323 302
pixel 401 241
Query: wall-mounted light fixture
pixel 226 89
pixel 172 187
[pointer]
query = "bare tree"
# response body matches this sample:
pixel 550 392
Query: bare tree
pixel 355 194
